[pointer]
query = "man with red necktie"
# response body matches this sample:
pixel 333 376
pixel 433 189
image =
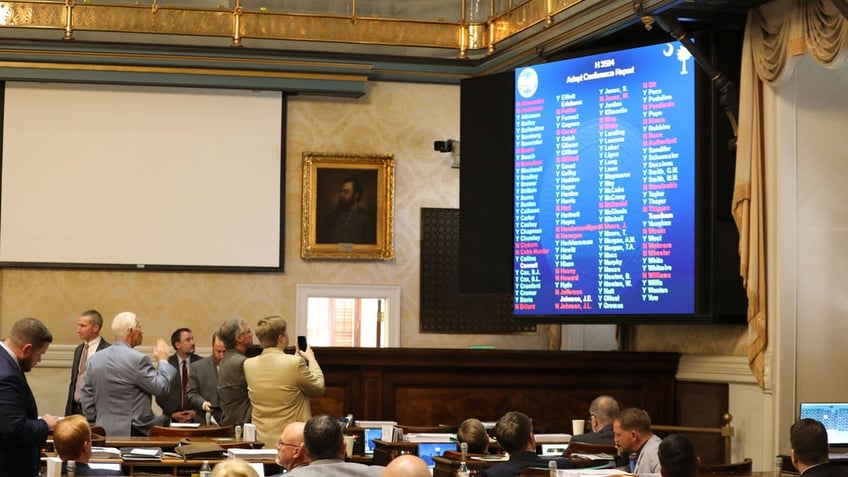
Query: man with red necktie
pixel 176 406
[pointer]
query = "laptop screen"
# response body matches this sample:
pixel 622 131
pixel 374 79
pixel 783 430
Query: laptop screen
pixel 427 450
pixel 834 416
pixel 371 433
pixel 554 449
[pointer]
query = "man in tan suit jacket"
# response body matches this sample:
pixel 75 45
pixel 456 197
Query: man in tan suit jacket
pixel 279 384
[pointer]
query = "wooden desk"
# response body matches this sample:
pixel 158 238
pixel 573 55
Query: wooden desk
pixel 176 467
pixel 385 451
pixel 447 467
pixel 167 443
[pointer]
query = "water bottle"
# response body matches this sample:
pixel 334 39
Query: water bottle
pixel 71 468
pixel 238 433
pixel 778 465
pixel 632 462
pixel 552 468
pixel 205 469
pixel 463 468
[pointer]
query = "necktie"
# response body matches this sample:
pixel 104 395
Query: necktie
pixel 81 373
pixel 185 383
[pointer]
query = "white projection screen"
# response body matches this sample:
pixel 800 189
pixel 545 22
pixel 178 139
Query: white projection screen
pixel 104 176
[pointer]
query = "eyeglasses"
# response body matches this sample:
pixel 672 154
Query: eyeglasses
pixel 280 443
pixel 246 332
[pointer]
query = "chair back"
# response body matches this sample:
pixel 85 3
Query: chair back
pixel 577 450
pixel 734 468
pixel 202 431
pixel 426 429
pixel 584 448
pixel 535 472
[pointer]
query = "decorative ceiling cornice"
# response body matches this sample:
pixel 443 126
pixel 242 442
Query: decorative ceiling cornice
pixel 306 53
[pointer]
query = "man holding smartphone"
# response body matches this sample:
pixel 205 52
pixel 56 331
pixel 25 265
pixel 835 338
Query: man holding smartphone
pixel 279 385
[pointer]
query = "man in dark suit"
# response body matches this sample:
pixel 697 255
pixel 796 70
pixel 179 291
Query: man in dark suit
pixel 514 431
pixel 677 457
pixel 176 404
pixel 808 439
pixel 89 325
pixel 203 381
pixel 22 432
pixel 602 412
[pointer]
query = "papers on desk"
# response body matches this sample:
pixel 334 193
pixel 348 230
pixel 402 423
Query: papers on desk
pixel 491 458
pixel 141 453
pixel 105 452
pixel 105 466
pixel 252 454
pixel 601 456
pixel 185 424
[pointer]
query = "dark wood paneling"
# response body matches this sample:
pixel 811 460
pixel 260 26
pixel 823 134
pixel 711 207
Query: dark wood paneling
pixel 425 387
pixel 704 405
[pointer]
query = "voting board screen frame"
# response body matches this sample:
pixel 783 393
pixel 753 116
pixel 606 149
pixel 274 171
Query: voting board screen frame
pixel 142 177
pixel 606 223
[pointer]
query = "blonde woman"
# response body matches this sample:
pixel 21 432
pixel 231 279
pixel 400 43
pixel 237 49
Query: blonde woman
pixel 234 468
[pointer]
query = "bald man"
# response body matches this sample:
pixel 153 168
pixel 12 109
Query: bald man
pixel 407 466
pixel 602 412
pixel 291 452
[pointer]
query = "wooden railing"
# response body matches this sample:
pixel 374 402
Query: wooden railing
pixel 726 432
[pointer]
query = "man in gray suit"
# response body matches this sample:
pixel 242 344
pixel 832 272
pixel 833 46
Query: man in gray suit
pixel 203 381
pixel 324 440
pixel 119 382
pixel 232 385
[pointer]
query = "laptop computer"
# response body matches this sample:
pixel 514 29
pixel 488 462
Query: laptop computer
pixel 554 450
pixel 427 450
pixel 371 433
pixel 834 417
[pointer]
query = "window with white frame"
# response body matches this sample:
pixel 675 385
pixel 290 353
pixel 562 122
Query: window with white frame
pixel 353 316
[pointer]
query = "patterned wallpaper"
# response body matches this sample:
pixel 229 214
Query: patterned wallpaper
pixel 401 119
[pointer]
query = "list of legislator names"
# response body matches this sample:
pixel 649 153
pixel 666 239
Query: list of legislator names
pixel 604 184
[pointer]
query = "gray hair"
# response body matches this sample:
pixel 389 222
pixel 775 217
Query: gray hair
pixel 123 323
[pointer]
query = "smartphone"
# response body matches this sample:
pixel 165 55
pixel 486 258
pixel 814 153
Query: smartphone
pixel 301 343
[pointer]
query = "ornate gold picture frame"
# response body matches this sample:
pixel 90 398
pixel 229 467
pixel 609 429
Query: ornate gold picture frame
pixel 347 206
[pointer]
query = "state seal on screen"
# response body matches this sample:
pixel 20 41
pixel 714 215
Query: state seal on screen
pixel 527 82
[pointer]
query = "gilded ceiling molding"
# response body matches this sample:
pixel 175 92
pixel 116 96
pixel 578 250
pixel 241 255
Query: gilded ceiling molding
pixel 239 23
pixel 388 48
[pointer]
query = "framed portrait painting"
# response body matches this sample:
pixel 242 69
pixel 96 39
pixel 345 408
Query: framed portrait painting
pixel 347 206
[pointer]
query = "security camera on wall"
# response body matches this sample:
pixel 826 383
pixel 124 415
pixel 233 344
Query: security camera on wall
pixel 451 146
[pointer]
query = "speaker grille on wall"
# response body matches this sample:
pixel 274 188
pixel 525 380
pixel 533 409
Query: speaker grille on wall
pixel 443 308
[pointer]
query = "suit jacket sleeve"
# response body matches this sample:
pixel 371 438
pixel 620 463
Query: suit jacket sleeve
pixel 152 380
pixel 69 409
pixel 195 390
pixel 310 379
pixel 87 396
pixel 18 412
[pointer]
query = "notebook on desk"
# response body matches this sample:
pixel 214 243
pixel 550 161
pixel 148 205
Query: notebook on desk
pixel 834 417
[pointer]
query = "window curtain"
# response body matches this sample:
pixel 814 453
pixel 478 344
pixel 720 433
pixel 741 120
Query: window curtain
pixel 774 34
